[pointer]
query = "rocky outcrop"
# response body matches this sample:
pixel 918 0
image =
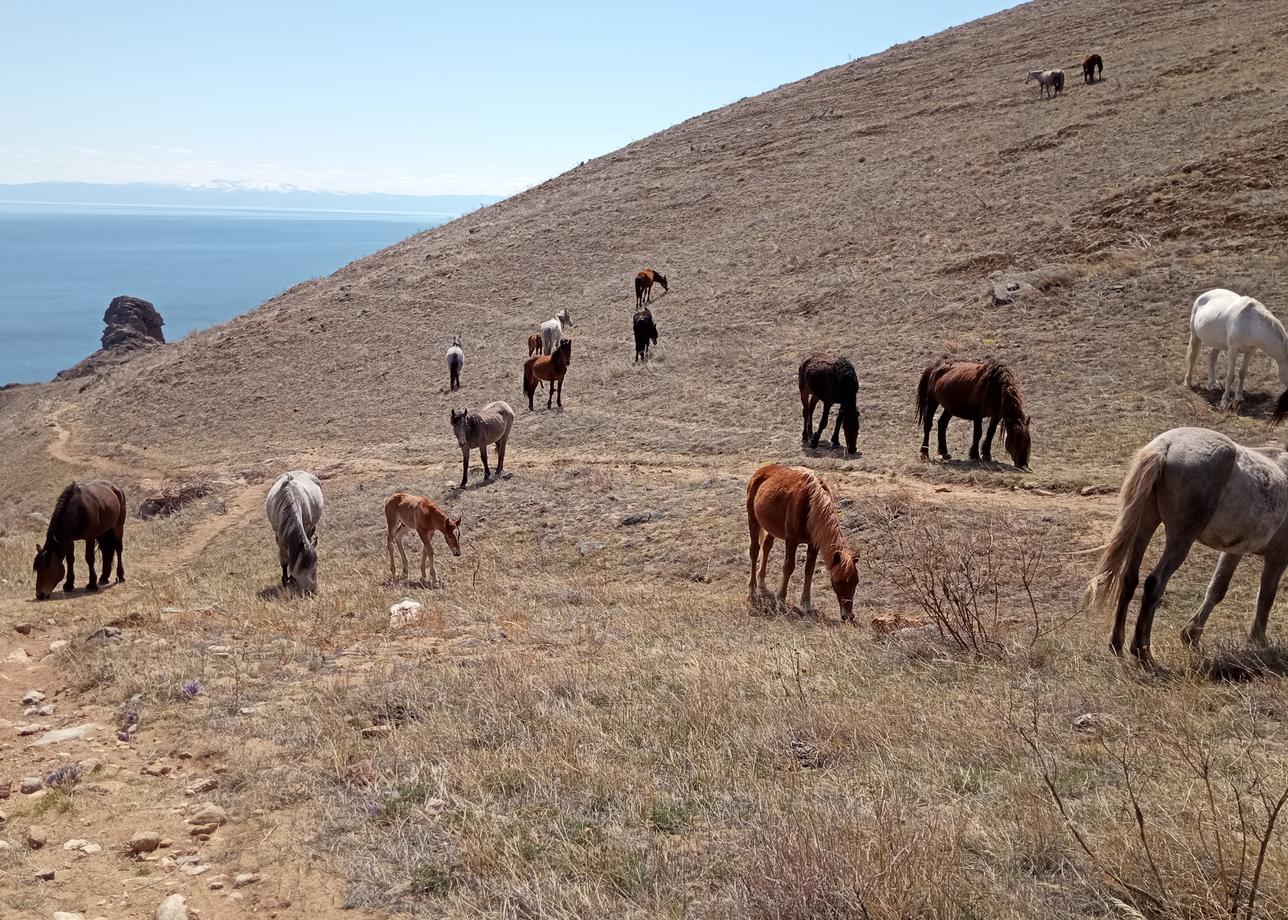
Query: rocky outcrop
pixel 130 324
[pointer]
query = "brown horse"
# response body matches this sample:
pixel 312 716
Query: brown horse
pixel 1093 68
pixel 550 368
pixel 794 505
pixel 644 282
pixel 404 511
pixel 832 380
pixel 92 511
pixel 974 390
pixel 534 344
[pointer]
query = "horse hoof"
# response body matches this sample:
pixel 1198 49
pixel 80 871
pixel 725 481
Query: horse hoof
pixel 1190 637
pixel 91 587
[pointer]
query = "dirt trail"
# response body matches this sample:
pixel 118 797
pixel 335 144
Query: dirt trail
pixel 58 449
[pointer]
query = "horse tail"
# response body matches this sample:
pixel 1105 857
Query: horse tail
pixel 529 381
pixel 923 393
pixel 1137 496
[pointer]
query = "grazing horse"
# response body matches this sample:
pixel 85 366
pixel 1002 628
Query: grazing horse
pixel 1093 68
pixel 550 368
pixel 974 390
pixel 455 359
pixel 645 333
pixel 552 331
pixel 92 511
pixel 1202 487
pixel 404 511
pixel 796 506
pixel 1230 322
pixel 294 507
pixel 1049 81
pixel 490 425
pixel 644 282
pixel 832 380
pixel 534 344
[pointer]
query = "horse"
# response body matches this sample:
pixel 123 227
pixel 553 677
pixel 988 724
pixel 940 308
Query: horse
pixel 552 331
pixel 550 368
pixel 294 508
pixel 490 425
pixel 1202 487
pixel 534 344
pixel 645 332
pixel 404 511
pixel 455 359
pixel 831 380
pixel 92 511
pixel 1230 322
pixel 796 506
pixel 1049 81
pixel 644 282
pixel 1093 68
pixel 974 390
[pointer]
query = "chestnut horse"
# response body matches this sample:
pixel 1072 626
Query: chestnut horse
pixel 794 505
pixel 550 368
pixel 644 282
pixel 832 380
pixel 974 390
pixel 92 511
pixel 404 511
pixel 534 344
pixel 1093 68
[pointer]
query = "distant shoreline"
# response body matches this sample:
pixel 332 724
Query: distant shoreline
pixel 239 209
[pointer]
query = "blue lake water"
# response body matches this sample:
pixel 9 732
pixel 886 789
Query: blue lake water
pixel 61 265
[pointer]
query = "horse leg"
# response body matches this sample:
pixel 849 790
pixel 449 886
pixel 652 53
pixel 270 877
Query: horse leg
pixel 1232 360
pixel 70 584
pixel 465 463
pixel 286 578
pixel 402 552
pixel 822 425
pixel 1243 375
pixel 753 526
pixel 389 545
pixel 1271 573
pixel 560 399
pixel 118 541
pixel 928 421
pixel 500 455
pixel 487 472
pixel 977 431
pixel 1212 356
pixel 1130 580
pixel 427 555
pixel 550 398
pixel 808 402
pixel 836 432
pixel 811 560
pixel 1220 583
pixel 765 547
pixel 789 566
pixel 988 439
pixel 1192 358
pixel 106 546
pixel 943 436
pixel 92 584
pixel 1175 550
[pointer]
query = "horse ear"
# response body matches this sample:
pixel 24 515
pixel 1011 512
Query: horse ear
pixel 836 559
pixel 39 549
pixel 315 540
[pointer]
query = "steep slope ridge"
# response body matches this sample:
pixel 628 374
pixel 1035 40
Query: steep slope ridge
pixel 860 209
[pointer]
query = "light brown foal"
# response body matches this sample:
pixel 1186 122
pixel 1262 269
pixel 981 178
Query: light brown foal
pixel 404 511
pixel 534 344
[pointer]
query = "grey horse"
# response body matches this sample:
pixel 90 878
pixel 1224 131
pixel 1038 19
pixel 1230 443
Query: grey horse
pixel 490 425
pixel 1201 486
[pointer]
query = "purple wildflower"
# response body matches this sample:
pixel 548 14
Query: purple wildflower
pixel 190 689
pixel 64 777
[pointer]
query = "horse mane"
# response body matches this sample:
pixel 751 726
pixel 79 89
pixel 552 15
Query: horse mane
pixel 293 526
pixel 1002 385
pixel 823 522
pixel 60 510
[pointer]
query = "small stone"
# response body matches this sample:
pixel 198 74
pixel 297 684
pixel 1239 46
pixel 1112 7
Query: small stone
pixel 5 847
pixel 32 729
pixel 217 883
pixel 57 646
pixel 194 871
pixel 202 785
pixel 45 875
pixel 639 518
pixel 1088 722
pixel 29 784
pixel 67 915
pixel 590 546
pixel 405 613
pixel 66 734
pixel 74 844
pixel 19 656
pixel 37 836
pixel 105 634
pixel 207 819
pixel 144 842
pixel 90 765
pixel 46 710
pixel 156 769
pixel 22 629
pixel 242 879
pixel 165 843
pixel 32 697
pixel 175 907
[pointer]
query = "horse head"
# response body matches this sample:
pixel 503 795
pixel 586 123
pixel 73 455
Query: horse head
pixel 564 318
pixel 850 425
pixel 661 279
pixel 304 566
pixel 460 424
pixel 844 574
pixel 452 533
pixel 565 349
pixel 48 566
pixel 456 341
pixel 1018 441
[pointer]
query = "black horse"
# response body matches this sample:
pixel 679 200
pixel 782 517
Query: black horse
pixel 92 511
pixel 831 380
pixel 645 333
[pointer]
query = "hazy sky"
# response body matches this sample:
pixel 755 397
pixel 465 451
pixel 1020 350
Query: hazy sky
pixel 400 96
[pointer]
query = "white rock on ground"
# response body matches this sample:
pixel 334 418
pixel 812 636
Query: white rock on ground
pixel 174 907
pixel 65 734
pixel 405 612
pixel 144 842
pixel 243 879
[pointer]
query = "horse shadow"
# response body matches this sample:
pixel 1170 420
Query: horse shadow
pixel 1240 664
pixel 279 592
pixel 480 483
pixel 993 466
pixel 767 606
pixel 825 449
pixel 63 596
pixel 1256 405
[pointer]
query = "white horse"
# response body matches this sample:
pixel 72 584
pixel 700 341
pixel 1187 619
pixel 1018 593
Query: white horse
pixel 1230 322
pixel 294 507
pixel 1049 81
pixel 552 331
pixel 455 360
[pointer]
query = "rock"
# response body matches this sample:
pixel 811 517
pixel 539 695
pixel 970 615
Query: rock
pixel 1097 490
pixel 88 847
pixel 3 817
pixel 891 623
pixel 30 784
pixel 23 629
pixel 46 710
pixel 89 765
pixel 194 870
pixel 405 613
pixel 32 697
pixel 640 517
pixel 208 818
pixel 144 842
pixel 217 883
pixel 32 729
pixel 19 656
pixel 202 785
pixel 171 501
pixel 105 634
pixel 45 875
pixel 57 646
pixel 156 769
pixel 590 546
pixel 37 836
pixel 1006 289
pixel 1089 722
pixel 242 879
pixel 66 734
pixel 130 324
pixel 174 907
pixel 67 915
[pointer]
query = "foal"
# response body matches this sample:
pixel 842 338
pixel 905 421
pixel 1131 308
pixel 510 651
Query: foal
pixel 534 344
pixel 644 282
pixel 550 368
pixel 404 511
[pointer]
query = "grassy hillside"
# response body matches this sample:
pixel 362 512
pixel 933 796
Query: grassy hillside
pixel 588 720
